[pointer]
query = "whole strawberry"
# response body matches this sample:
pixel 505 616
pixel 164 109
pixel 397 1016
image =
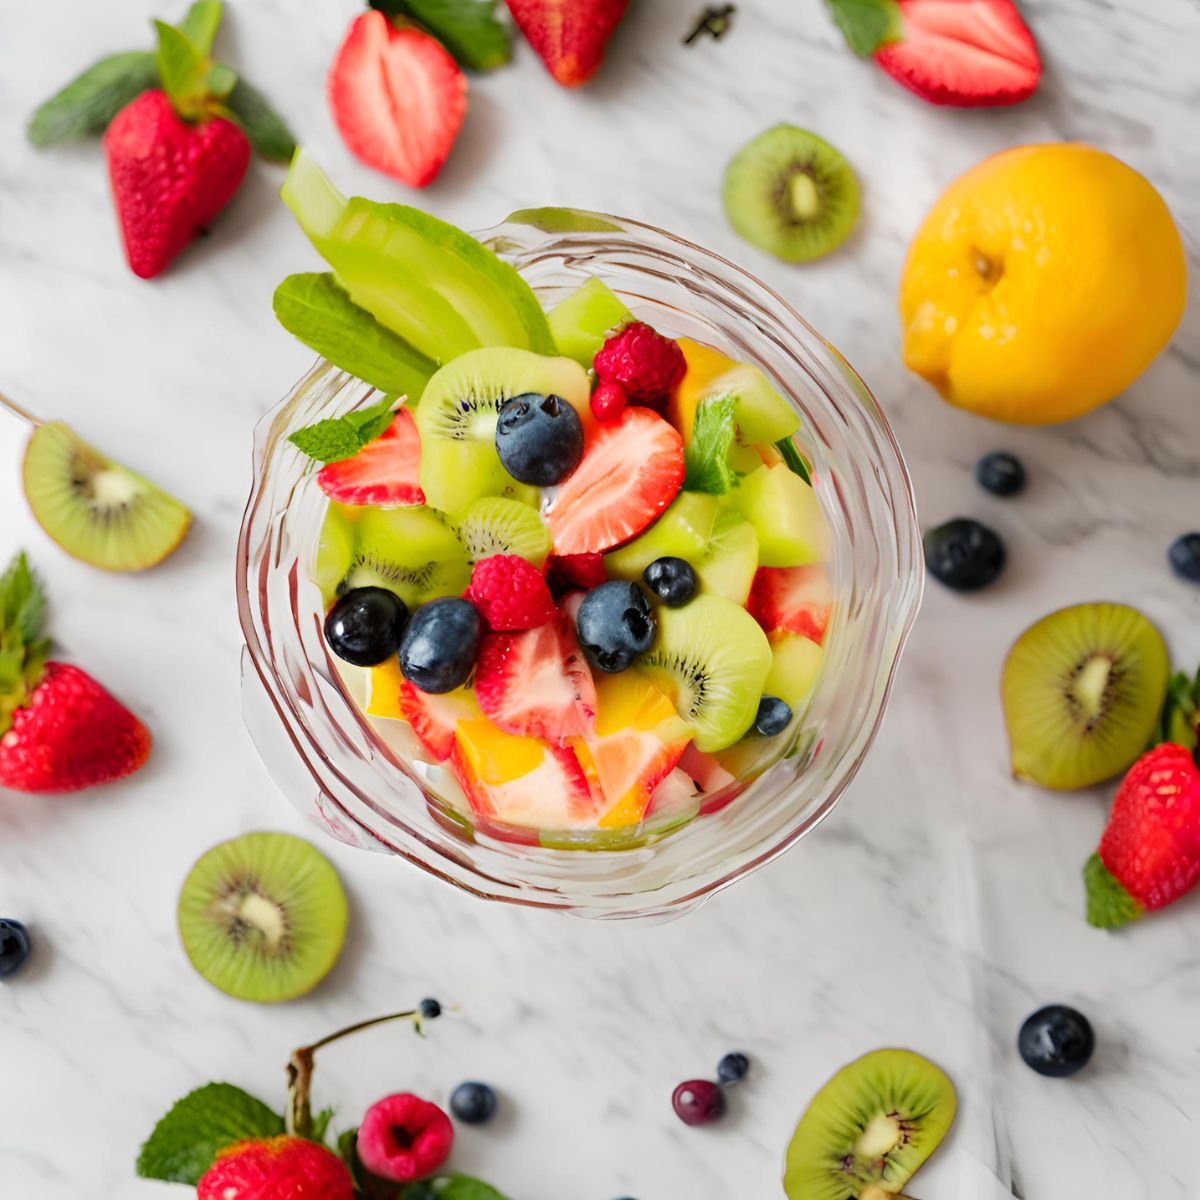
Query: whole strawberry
pixel 277 1168
pixel 60 731
pixel 570 36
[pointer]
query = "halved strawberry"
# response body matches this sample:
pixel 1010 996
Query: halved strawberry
pixel 969 53
pixel 434 718
pixel 632 468
pixel 384 473
pixel 798 599
pixel 398 98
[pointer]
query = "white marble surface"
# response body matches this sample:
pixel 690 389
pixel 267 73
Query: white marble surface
pixel 939 905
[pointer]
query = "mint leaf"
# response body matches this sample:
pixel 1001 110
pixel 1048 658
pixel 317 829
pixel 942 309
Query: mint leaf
pixel 267 131
pixel 200 25
pixel 316 309
pixel 1109 905
pixel 467 28
pixel 343 437
pixel 794 459
pixel 868 24
pixel 706 458
pixel 90 101
pixel 187 1140
pixel 369 423
pixel 181 67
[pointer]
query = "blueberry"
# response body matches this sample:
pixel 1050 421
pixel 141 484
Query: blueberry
pixel 429 1009
pixel 473 1103
pixel 963 554
pixel 698 1101
pixel 1185 556
pixel 1000 473
pixel 733 1067
pixel 672 580
pixel 615 625
pixel 437 651
pixel 773 716
pixel 14 947
pixel 539 439
pixel 1056 1040
pixel 365 626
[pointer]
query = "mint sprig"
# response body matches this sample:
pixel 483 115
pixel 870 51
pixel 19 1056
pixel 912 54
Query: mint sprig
pixel 89 102
pixel 867 25
pixel 706 458
pixel 343 437
pixel 469 29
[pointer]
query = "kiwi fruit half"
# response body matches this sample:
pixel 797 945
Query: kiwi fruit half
pixel 792 194
pixel 96 509
pixel 869 1128
pixel 263 917
pixel 1082 690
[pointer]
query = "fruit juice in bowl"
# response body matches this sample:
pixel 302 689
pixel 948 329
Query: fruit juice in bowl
pixel 592 602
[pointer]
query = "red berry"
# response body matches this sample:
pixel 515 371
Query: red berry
pixel 274 1169
pixel 568 35
pixel 384 473
pixel 567 571
pixel 510 593
pixel 698 1101
pixel 644 362
pixel 609 400
pixel 403 1138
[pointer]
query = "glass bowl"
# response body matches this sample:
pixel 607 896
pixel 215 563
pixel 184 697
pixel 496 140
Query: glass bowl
pixel 330 761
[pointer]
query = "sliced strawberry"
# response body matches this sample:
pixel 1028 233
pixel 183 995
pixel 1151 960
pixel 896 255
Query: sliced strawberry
pixel 383 473
pixel 567 571
pixel 705 770
pixel 398 98
pixel 674 796
pixel 632 468
pixel 969 53
pixel 434 718
pixel 798 599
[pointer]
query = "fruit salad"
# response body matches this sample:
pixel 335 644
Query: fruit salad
pixel 574 568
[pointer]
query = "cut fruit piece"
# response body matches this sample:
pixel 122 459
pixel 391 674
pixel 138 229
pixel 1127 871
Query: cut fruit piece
pixel 795 664
pixel 582 321
pixel 263 917
pixel 335 552
pixel 494 525
pixel 97 510
pixel 385 473
pixel 1083 689
pixel 409 551
pixel 792 599
pixel 870 1128
pixel 435 716
pixel 761 413
pixel 457 420
pixel 704 366
pixel 674 802
pixel 437 287
pixel 683 531
pixel 792 194
pixel 706 770
pixel 536 683
pixel 791 526
pixel 384 685
pixel 711 658
pixel 632 469
pixel 731 558
pixel 409 536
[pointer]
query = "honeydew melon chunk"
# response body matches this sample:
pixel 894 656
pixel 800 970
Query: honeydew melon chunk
pixel 335 551
pixel 795 665
pixel 761 413
pixel 791 526
pixel 683 531
pixel 582 321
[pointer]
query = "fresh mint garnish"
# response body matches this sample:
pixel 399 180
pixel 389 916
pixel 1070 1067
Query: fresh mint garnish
pixel 794 459
pixel 266 129
pixel 187 1140
pixel 469 29
pixel 706 458
pixel 868 24
pixel 343 437
pixel 90 101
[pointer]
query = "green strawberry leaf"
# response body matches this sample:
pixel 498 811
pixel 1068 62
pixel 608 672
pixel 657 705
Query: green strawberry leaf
pixel 462 1187
pixel 316 309
pixel 467 28
pixel 90 101
pixel 706 457
pixel 320 1125
pixel 182 68
pixel 794 459
pixel 200 24
pixel 267 131
pixel 187 1140
pixel 220 81
pixel 1109 905
pixel 868 24
pixel 342 437
pixel 22 604
pixel 1180 719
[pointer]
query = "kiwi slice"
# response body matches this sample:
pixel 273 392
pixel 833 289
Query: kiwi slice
pixel 730 559
pixel 711 657
pixel 96 509
pixel 1082 691
pixel 263 917
pixel 494 525
pixel 869 1128
pixel 335 550
pixel 792 194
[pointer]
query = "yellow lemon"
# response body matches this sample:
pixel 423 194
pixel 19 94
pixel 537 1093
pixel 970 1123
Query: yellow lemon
pixel 1041 284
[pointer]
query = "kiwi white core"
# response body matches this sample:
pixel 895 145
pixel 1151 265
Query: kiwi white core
pixel 1090 686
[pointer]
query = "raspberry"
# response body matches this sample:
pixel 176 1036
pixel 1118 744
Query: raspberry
pixel 403 1138
pixel 510 593
pixel 567 571
pixel 278 1168
pixel 608 400
pixel 646 364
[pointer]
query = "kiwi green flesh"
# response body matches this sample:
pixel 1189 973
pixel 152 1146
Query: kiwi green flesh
pixel 873 1124
pixel 263 917
pixel 1082 692
pixel 96 509
pixel 494 525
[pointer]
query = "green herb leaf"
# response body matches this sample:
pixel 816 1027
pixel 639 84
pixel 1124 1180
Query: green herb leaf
pixel 706 458
pixel 267 131
pixel 90 101
pixel 467 28
pixel 187 1140
pixel 320 1125
pixel 868 24
pixel 316 309
pixel 342 437
pixel 181 68
pixel 1180 719
pixel 22 604
pixel 200 25
pixel 464 1187
pixel 1109 905
pixel 794 459
pixel 220 81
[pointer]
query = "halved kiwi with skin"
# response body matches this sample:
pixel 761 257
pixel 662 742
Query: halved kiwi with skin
pixel 263 917
pixel 1082 690
pixel 791 193
pixel 94 508
pixel 869 1128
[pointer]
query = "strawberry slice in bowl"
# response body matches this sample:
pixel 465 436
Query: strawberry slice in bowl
pixel 434 718
pixel 792 600
pixel 384 473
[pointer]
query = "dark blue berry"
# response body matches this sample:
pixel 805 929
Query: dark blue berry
pixel 773 716
pixel 1185 556
pixel 672 580
pixel 473 1103
pixel 1000 473
pixel 1056 1040
pixel 539 439
pixel 14 947
pixel 698 1101
pixel 733 1067
pixel 430 1009
pixel 963 554
pixel 365 626
pixel 437 651
pixel 615 625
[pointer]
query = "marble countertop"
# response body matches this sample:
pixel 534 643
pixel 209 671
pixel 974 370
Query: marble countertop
pixel 939 905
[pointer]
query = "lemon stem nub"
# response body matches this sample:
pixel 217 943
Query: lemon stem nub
pixel 806 200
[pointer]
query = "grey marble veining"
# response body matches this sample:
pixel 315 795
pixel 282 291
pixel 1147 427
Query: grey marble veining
pixel 938 906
